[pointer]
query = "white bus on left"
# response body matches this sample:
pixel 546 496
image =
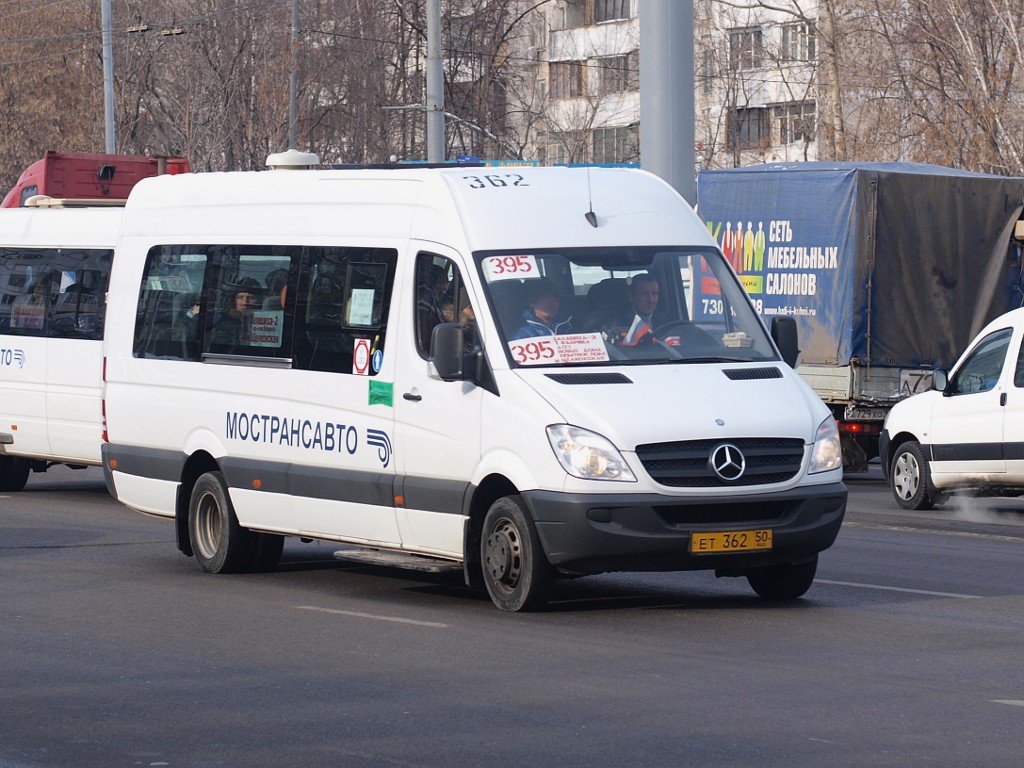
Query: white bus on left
pixel 54 267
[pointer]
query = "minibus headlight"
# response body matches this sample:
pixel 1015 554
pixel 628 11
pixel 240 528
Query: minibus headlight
pixel 587 455
pixel 827 452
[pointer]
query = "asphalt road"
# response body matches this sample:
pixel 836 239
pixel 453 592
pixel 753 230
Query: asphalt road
pixel 115 650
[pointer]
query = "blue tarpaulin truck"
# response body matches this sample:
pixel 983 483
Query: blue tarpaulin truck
pixel 890 269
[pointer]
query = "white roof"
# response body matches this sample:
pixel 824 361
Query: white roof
pixel 479 208
pixel 60 227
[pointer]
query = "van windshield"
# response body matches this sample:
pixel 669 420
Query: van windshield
pixel 594 306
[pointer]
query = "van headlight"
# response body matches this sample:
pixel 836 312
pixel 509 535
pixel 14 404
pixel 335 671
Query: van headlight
pixel 827 452
pixel 587 455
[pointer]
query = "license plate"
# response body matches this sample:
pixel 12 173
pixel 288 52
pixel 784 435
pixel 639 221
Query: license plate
pixel 864 414
pixel 730 541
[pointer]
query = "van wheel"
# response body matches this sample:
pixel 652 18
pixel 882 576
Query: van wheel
pixel 910 479
pixel 219 544
pixel 516 572
pixel 13 473
pixel 787 581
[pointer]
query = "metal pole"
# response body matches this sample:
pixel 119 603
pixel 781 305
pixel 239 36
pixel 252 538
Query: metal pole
pixel 293 81
pixel 108 80
pixel 667 131
pixel 435 85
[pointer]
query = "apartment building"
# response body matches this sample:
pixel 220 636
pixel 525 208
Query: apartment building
pixel 570 82
pixel 756 83
pixel 584 63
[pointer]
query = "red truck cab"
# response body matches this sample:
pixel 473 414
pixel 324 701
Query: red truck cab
pixel 88 176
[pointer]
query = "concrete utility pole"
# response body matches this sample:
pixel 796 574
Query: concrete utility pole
pixel 435 85
pixel 108 80
pixel 667 132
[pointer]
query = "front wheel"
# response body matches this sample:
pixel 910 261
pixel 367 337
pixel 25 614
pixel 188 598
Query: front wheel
pixel 13 473
pixel 219 544
pixel 910 478
pixel 516 572
pixel 786 581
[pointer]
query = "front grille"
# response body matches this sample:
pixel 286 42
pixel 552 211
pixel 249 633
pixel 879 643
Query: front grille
pixel 685 464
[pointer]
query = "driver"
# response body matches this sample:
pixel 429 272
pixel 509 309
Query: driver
pixel 642 294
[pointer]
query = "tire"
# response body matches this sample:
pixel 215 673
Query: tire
pixel 516 573
pixel 910 478
pixel 13 473
pixel 787 581
pixel 219 544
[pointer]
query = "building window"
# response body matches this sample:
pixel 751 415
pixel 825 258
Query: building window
pixel 610 10
pixel 748 128
pixel 616 145
pixel 746 48
pixel 619 73
pixel 566 79
pixel 565 147
pixel 707 70
pixel 796 122
pixel 798 43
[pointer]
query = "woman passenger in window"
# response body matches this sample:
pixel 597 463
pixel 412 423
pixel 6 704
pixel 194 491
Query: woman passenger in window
pixel 230 327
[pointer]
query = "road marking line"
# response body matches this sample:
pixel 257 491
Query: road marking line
pixel 1011 702
pixel 377 617
pixel 897 589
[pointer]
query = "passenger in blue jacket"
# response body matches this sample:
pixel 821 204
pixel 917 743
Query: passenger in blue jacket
pixel 540 318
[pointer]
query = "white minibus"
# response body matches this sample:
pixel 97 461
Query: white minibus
pixel 490 369
pixel 54 267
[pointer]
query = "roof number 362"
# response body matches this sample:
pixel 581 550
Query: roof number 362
pixel 496 180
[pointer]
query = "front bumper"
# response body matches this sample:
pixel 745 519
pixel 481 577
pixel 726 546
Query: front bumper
pixel 587 534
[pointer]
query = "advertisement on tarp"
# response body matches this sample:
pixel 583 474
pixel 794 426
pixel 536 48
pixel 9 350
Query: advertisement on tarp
pixel 886 264
pixel 791 254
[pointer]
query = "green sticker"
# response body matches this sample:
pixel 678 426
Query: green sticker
pixel 382 393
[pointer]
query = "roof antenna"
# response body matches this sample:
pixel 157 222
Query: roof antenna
pixel 590 216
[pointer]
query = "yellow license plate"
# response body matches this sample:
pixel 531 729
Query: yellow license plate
pixel 730 541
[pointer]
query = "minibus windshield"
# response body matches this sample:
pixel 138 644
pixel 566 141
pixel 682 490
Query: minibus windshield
pixel 599 306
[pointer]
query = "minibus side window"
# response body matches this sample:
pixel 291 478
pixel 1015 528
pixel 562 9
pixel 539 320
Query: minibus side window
pixel 248 300
pixel 343 306
pixel 77 312
pixel 57 292
pixel 441 297
pixel 169 317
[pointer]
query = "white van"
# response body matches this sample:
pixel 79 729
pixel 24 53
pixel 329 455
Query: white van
pixel 490 369
pixel 963 436
pixel 54 267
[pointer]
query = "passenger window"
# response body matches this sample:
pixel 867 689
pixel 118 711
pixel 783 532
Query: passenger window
pixel 980 371
pixel 441 297
pixel 57 292
pixel 248 298
pixel 345 298
pixel 79 303
pixel 169 318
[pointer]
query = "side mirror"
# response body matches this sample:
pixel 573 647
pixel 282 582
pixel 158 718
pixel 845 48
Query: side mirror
pixel 446 345
pixel 785 337
pixel 940 380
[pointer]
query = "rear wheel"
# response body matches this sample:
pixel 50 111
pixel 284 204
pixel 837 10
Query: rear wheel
pixel 786 581
pixel 219 544
pixel 516 572
pixel 910 478
pixel 13 473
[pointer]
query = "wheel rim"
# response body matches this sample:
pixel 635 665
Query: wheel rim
pixel 906 476
pixel 208 526
pixel 503 555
